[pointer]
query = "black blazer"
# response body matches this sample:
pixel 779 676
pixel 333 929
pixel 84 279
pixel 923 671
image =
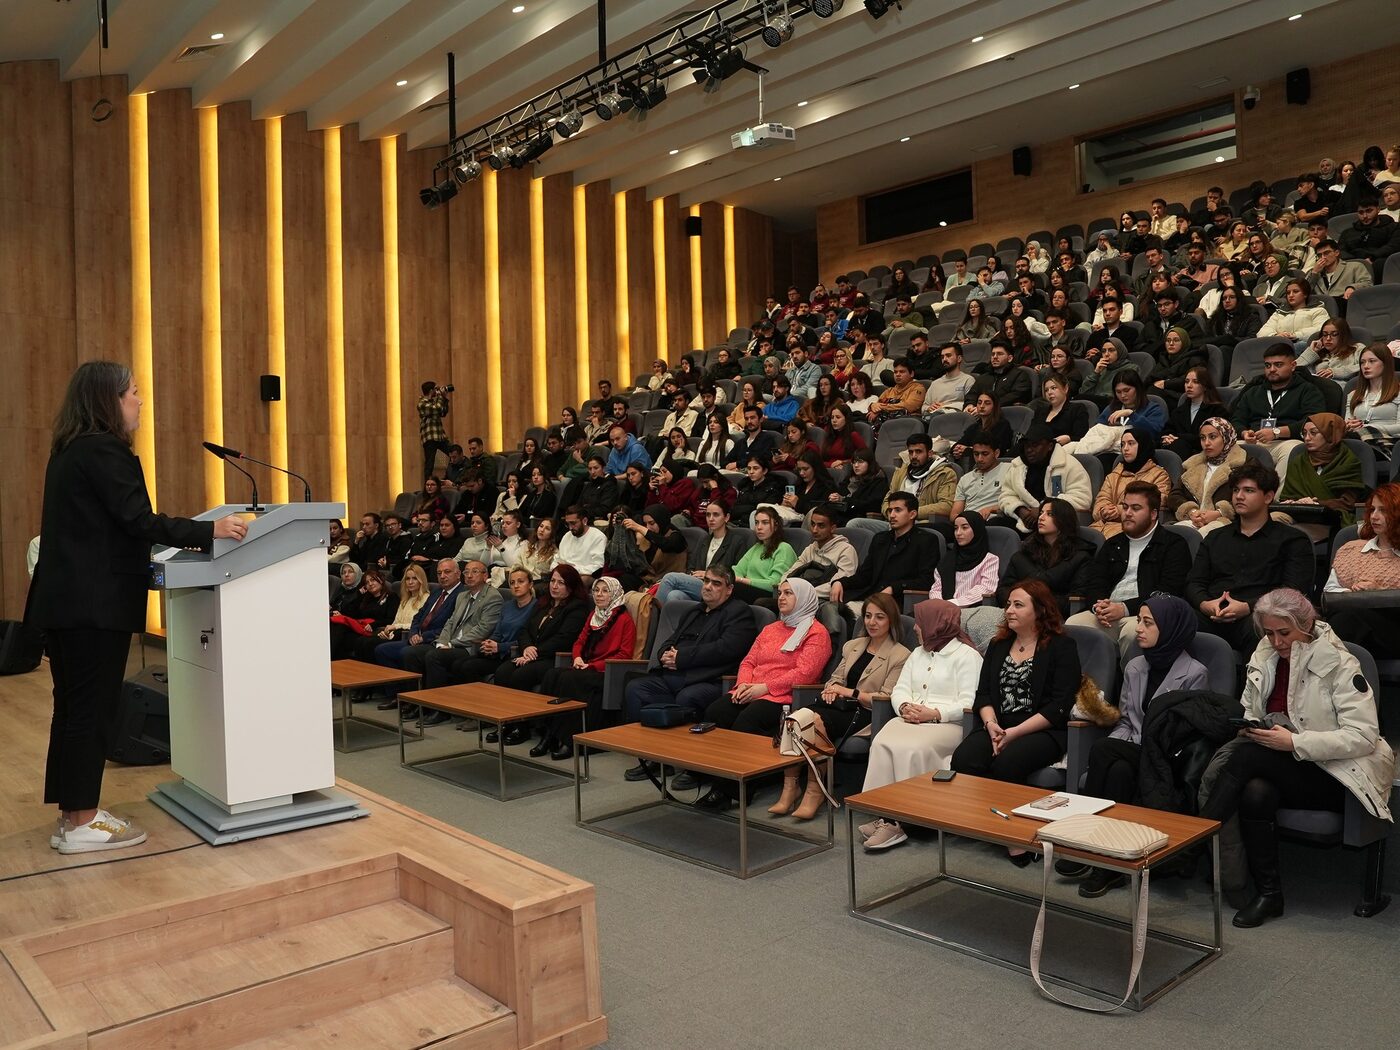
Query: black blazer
pixel 1163 566
pixel 96 538
pixel 710 644
pixel 558 633
pixel 1054 681
pixel 731 549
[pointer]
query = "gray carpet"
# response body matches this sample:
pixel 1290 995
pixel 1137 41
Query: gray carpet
pixel 694 958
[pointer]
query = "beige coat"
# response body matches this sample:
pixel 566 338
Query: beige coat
pixel 1190 493
pixel 1334 712
pixel 1074 484
pixel 1112 491
pixel 880 674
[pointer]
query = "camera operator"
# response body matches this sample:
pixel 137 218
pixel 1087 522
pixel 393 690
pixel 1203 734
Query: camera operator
pixel 432 406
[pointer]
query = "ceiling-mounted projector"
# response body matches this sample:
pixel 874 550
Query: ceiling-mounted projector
pixel 761 135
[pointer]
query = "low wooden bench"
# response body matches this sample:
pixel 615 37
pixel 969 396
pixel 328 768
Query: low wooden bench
pixel 353 676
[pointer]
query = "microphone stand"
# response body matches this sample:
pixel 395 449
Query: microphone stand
pixel 306 485
pixel 256 507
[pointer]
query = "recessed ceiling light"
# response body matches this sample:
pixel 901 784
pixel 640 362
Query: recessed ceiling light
pixel 905 139
pixel 1074 87
pixel 942 222
pixel 401 83
pixel 517 9
pixel 1294 18
pixel 674 152
pixel 1220 160
pixel 802 103
pixel 220 36
pixel 778 179
pixel 677 61
pixel 978 39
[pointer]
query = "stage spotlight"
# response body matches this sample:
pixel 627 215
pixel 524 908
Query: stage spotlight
pixel 569 123
pixel 467 170
pixel 826 8
pixel 778 31
pixel 443 192
pixel 612 103
pixel 877 8
pixel 650 96
pixel 718 66
pixel 532 149
pixel 500 156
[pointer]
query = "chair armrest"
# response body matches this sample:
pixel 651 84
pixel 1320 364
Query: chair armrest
pixel 806 695
pixel 564 659
pixel 968 719
pixel 615 676
pixel 1082 737
pixel 881 714
pixel 913 598
pixel 1359 828
pixel 1361 599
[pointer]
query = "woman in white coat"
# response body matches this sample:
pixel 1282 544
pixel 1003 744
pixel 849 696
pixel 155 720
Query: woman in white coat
pixel 937 684
pixel 1320 740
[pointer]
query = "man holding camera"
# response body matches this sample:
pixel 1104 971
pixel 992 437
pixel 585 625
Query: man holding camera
pixel 432 406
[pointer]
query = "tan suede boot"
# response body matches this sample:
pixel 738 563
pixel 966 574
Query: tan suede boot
pixel 812 798
pixel 788 798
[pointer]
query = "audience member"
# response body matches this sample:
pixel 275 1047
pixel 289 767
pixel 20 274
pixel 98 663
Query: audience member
pixel 763 565
pixel 1366 565
pixel 427 623
pixel 1202 497
pixel 719 546
pixel 829 557
pixel 1373 409
pixel 1199 401
pixel 979 490
pixel 1271 408
pixel 1007 382
pixel 900 558
pixel 1054 553
pixel 1334 354
pixel 864 492
pixel 1327 474
pixel 930 478
pixel 1044 470
pixel 1134 465
pixel 581 546
pixel 357 620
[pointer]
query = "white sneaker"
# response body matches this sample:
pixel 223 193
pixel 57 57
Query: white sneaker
pixel 103 832
pixel 888 835
pixel 866 830
pixel 57 835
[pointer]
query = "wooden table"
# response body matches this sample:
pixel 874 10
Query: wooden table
pixel 963 806
pixel 498 706
pixel 719 753
pixel 351 676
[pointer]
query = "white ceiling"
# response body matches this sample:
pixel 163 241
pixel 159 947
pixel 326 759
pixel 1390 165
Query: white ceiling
pixel 868 84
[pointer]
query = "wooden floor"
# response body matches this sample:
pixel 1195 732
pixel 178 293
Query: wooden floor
pixel 43 891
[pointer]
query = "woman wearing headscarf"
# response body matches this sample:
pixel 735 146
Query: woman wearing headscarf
pixel 869 667
pixel 968 575
pixel 790 652
pixel 1135 464
pixel 1165 627
pixel 608 634
pixel 641 552
pixel 938 683
pixel 1201 498
pixel 357 621
pixel 1328 474
pixel 347 599
pixel 1176 357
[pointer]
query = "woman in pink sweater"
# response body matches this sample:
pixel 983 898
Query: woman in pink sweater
pixel 794 651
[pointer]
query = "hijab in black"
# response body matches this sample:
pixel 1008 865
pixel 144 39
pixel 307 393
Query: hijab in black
pixel 658 513
pixel 1147 446
pixel 963 559
pixel 1176 627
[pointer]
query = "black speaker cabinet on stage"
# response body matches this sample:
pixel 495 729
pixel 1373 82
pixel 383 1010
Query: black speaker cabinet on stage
pixel 138 732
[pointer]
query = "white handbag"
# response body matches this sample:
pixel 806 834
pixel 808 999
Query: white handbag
pixel 1120 839
pixel 803 736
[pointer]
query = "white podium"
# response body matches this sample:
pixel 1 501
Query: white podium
pixel 248 650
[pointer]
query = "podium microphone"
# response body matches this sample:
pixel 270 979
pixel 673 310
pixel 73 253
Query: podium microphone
pixel 226 454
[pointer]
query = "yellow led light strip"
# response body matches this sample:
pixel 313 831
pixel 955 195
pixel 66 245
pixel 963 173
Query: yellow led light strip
pixel 539 346
pixel 624 321
pixel 335 320
pixel 697 290
pixel 211 328
pixel 585 383
pixel 393 390
pixel 276 302
pixel 142 354
pixel 731 310
pixel 491 224
pixel 658 258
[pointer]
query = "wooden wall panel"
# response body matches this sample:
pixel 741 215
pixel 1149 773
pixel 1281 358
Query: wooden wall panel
pixel 102 221
pixel 304 289
pixel 602 316
pixel 467 310
pixel 712 273
pixel 243 285
pixel 517 312
pixel 176 308
pixel 38 350
pixel 424 293
pixel 560 311
pixel 362 227
pixel 677 279
pixel 641 281
pixel 753 264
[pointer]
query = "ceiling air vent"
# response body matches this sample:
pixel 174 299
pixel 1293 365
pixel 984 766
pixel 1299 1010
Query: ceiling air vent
pixel 193 54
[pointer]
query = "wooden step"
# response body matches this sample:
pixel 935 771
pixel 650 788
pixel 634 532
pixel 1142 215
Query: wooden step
pixel 441 1014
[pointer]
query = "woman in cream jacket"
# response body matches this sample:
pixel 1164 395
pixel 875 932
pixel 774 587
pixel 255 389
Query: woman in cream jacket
pixel 1201 498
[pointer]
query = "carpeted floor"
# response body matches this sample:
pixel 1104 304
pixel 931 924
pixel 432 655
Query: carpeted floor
pixel 694 958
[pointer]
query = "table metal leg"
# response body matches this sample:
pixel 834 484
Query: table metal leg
pixel 942 853
pixel 578 794
pixel 1215 887
pixel 851 855
pixel 743 830
pixel 398 709
pixel 1134 891
pixel 500 753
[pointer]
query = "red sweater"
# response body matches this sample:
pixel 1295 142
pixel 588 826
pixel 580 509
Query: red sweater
pixel 612 641
pixel 780 671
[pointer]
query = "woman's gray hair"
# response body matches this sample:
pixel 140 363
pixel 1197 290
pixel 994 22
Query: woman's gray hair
pixel 1286 604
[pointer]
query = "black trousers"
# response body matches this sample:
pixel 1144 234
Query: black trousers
pixel 1239 633
pixel 585 684
pixel 1256 782
pixel 430 451
pixel 528 677
pixel 1113 770
pixel 748 593
pixel 456 667
pixel 760 717
pixel 1378 630
pixel 1018 759
pixel 88 666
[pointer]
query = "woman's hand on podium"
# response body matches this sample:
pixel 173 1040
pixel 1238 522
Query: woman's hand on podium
pixel 230 527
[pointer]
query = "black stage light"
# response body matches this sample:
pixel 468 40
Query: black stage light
pixel 649 97
pixel 826 8
pixel 778 31
pixel 569 123
pixel 443 192
pixel 877 8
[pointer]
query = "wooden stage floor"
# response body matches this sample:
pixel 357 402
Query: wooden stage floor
pixel 521 934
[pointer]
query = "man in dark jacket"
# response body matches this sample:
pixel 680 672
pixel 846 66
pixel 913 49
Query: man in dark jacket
pixel 1008 383
pixel 1271 409
pixel 902 558
pixel 1372 238
pixel 1146 557
pixel 755 441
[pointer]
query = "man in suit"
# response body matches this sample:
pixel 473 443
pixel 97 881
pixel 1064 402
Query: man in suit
pixel 708 643
pixel 1144 558
pixel 477 609
pixel 1112 329
pixel 1335 277
pixel 427 623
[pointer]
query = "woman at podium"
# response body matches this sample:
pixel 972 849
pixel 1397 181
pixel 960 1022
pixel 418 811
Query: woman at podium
pixel 89 589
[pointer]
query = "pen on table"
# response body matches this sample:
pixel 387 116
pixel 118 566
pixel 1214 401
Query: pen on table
pixel 1003 816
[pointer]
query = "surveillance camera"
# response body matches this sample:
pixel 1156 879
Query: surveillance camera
pixel 1251 96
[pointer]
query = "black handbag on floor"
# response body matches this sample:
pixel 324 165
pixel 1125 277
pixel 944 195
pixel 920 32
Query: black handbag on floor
pixel 21 647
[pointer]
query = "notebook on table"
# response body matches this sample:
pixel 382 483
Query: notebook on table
pixel 1060 804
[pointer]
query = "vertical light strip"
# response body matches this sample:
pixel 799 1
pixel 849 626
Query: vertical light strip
pixel 393 391
pixel 585 381
pixel 491 271
pixel 335 320
pixel 658 259
pixel 539 346
pixel 697 289
pixel 276 303
pixel 211 329
pixel 731 305
pixel 624 321
pixel 142 354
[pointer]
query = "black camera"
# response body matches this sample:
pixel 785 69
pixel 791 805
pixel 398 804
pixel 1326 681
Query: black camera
pixel 448 388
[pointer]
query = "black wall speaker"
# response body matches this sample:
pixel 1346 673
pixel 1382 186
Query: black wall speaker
pixel 692 226
pixel 138 730
pixel 270 387
pixel 1021 160
pixel 1298 86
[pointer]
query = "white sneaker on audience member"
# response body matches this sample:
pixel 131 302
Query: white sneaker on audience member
pixel 103 832
pixel 57 835
pixel 886 836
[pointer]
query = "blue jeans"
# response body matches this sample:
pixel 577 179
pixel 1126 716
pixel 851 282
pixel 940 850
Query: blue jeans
pixel 682 583
pixel 666 687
